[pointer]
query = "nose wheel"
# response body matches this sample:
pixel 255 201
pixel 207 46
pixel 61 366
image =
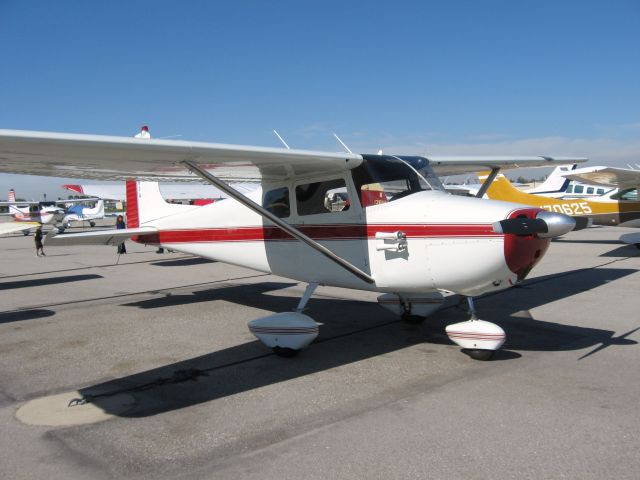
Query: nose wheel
pixel 478 338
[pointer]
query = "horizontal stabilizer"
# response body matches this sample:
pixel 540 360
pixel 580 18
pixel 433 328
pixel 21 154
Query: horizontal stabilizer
pixel 10 227
pixel 103 237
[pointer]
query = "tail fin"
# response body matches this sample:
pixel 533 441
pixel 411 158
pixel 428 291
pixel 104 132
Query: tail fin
pixel 98 210
pixel 502 189
pixel 15 210
pixel 555 182
pixel 74 188
pixel 146 204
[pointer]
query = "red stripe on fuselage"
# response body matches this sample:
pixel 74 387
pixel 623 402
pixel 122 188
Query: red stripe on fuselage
pixel 318 232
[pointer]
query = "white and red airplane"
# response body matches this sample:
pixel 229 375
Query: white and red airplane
pixel 394 229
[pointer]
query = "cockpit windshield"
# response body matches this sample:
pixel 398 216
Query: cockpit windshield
pixel 385 178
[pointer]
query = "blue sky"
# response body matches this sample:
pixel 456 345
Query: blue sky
pixel 504 77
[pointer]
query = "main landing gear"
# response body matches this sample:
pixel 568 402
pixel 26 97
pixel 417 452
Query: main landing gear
pixel 289 332
pixel 479 339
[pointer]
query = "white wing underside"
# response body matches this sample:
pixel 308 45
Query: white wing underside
pixel 12 227
pixel 116 158
pixel 608 177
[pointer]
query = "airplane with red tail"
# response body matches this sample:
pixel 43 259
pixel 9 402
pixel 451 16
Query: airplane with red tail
pixel 380 223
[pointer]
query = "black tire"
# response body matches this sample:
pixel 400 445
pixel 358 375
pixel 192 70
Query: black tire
pixel 92 224
pixel 412 319
pixel 285 352
pixel 479 354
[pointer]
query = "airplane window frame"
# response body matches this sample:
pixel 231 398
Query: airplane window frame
pixel 320 205
pixel 284 202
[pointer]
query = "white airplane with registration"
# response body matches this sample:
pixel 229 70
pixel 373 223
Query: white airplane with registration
pixel 394 229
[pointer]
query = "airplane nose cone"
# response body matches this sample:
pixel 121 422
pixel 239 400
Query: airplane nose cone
pixel 557 224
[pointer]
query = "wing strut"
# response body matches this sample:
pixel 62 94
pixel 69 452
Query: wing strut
pixel 487 183
pixel 294 232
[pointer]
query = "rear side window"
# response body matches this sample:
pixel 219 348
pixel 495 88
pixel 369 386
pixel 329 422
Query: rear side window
pixel 277 202
pixel 578 189
pixel 329 196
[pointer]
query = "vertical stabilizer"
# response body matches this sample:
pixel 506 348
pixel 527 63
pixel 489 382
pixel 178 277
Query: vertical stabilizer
pixel 146 204
pixel 502 189
pixel 555 182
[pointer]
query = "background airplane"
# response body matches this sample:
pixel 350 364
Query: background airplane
pixel 619 207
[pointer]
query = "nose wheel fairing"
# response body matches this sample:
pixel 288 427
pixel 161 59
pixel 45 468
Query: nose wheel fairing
pixel 523 252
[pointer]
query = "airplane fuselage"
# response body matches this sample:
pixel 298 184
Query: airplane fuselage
pixel 450 243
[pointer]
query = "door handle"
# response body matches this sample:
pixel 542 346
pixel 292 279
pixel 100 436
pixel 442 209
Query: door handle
pixel 391 241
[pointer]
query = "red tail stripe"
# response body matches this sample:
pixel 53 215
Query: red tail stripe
pixel 133 217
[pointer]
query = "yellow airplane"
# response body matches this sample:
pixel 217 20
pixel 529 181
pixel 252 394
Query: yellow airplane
pixel 619 208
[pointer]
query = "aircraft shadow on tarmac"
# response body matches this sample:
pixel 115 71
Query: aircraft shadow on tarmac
pixel 182 262
pixel 21 315
pixel 38 282
pixel 623 250
pixel 361 330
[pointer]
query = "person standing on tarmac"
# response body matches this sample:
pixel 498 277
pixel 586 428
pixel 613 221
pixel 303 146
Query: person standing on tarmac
pixel 38 239
pixel 120 225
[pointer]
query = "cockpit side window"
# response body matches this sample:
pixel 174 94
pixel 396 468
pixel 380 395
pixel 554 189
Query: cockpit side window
pixel 627 194
pixel 277 202
pixel 382 179
pixel 329 196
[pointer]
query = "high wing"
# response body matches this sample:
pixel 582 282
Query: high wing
pixel 115 158
pixel 455 165
pixel 30 202
pixel 11 227
pixel 608 177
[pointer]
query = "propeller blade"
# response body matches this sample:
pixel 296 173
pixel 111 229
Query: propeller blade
pixel 521 226
pixel 545 225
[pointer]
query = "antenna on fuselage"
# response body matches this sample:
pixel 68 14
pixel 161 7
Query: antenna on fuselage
pixel 281 139
pixel 342 143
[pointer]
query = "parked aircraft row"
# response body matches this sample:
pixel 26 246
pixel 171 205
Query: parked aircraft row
pixel 61 213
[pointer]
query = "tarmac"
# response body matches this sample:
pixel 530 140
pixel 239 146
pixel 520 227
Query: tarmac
pixel 142 366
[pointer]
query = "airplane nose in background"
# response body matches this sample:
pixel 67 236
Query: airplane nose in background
pixel 557 224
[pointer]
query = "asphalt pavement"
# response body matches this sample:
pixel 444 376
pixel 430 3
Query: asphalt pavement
pixel 142 366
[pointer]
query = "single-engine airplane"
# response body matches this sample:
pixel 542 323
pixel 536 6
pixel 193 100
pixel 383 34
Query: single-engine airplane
pixel 394 229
